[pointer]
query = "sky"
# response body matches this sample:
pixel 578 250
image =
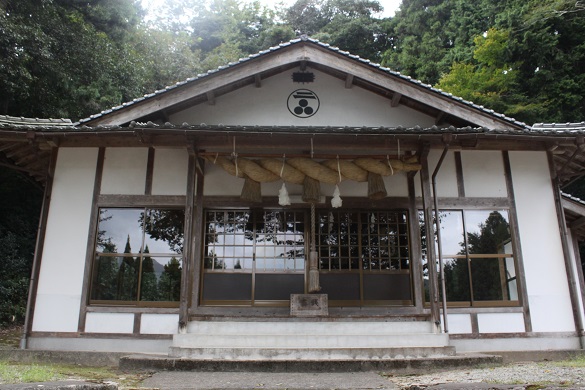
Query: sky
pixel 390 6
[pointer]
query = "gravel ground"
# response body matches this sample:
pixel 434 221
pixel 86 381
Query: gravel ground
pixel 522 375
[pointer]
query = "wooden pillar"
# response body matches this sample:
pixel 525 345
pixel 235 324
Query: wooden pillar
pixel 430 233
pixel 187 275
pixel 415 245
pixel 569 267
pixel 516 246
pixel 197 239
pixel 38 255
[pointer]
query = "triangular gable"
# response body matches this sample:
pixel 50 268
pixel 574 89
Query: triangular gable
pixel 404 93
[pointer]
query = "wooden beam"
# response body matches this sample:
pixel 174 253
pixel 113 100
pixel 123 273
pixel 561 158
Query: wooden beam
pixel 257 80
pixel 395 99
pixel 210 98
pixel 348 81
pixel 573 207
pixel 577 223
pixel 439 118
pixel 303 66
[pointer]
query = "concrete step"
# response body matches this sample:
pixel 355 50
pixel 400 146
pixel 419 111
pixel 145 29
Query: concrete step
pixel 193 340
pixel 394 365
pixel 308 327
pixel 312 354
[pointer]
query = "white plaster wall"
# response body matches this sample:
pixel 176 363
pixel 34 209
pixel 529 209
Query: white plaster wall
pixel 546 278
pixel 63 262
pixel 170 171
pixel 446 178
pixel 500 322
pixel 109 323
pixel 459 323
pixel 483 174
pixel 220 183
pixel 339 106
pixel 124 171
pixel 159 323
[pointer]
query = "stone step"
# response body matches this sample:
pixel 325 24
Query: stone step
pixel 336 340
pixel 308 327
pixel 308 354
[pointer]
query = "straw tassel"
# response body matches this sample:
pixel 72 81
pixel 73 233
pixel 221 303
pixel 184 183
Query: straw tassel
pixel 251 191
pixel 311 190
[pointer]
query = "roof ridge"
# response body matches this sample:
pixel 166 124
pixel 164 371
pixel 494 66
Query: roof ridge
pixel 327 46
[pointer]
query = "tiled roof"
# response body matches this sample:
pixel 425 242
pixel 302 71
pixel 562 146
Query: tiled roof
pixel 63 125
pixel 323 45
pixel 33 122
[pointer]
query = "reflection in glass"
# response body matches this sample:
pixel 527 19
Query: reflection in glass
pixel 477 256
pixel 135 250
pixel 274 239
pixel 383 236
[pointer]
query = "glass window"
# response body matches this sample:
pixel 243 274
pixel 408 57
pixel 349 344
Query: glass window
pixel 138 255
pixel 478 258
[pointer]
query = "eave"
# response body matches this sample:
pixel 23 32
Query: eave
pixel 28 148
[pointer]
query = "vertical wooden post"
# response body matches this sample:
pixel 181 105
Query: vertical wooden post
pixel 91 239
pixel 38 255
pixel 516 247
pixel 569 268
pixel 430 233
pixel 197 238
pixel 415 245
pixel 186 274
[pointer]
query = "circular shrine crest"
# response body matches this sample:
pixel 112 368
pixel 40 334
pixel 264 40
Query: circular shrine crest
pixel 303 103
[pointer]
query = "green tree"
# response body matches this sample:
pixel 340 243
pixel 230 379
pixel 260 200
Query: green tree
pixel 148 280
pixel 170 281
pixel 20 205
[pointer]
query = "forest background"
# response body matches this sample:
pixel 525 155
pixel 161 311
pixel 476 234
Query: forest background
pixel 74 58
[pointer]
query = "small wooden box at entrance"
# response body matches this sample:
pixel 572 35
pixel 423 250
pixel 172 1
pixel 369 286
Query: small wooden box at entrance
pixel 309 305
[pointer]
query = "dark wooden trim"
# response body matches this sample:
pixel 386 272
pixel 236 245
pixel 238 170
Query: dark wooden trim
pixel 39 247
pixel 569 265
pixel 187 274
pixel 415 246
pixel 140 200
pixel 525 335
pixel 149 171
pixel 580 278
pixel 116 336
pixel 91 236
pixel 429 227
pixel 198 246
pixel 459 172
pixel 137 323
pixel 516 246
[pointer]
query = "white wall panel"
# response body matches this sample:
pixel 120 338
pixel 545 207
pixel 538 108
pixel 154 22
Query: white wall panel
pixel 483 174
pixel 546 278
pixel 170 171
pixel 109 323
pixel 339 106
pixel 446 177
pixel 159 323
pixel 500 322
pixel 63 262
pixel 56 312
pixel 124 171
pixel 459 323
